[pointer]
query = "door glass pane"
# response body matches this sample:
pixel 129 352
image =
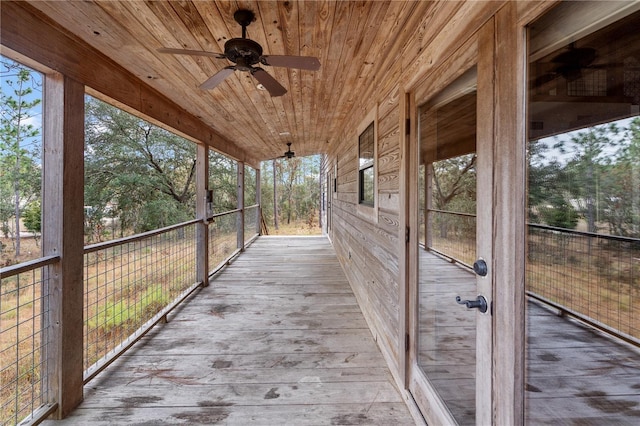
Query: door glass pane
pixel 584 217
pixel 447 209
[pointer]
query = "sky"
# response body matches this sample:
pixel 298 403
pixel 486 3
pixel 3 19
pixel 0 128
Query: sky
pixel 565 157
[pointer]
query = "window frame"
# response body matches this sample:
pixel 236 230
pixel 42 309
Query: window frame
pixel 368 210
pixel 369 163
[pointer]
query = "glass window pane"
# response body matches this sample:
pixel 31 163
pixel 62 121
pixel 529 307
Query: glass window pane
pixel 584 216
pixel 366 147
pixel 366 182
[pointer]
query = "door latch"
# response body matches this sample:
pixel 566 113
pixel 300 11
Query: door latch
pixel 480 267
pixel 480 303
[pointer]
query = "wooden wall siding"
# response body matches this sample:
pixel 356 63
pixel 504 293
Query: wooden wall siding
pixel 367 250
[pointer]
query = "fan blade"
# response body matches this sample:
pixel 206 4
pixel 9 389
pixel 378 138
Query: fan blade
pixel 301 62
pixel 217 78
pixel 191 52
pixel 269 83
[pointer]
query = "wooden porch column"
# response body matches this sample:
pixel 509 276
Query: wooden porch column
pixel 202 228
pixel 259 203
pixel 240 221
pixel 63 231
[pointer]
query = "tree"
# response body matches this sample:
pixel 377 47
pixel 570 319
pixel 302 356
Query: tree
pixel 559 213
pixel 32 217
pixel 620 185
pixel 547 178
pixel 598 178
pixel 290 188
pixel 250 195
pixel 223 177
pixel 455 184
pixel 591 154
pixel 631 161
pixel 288 174
pixel 135 171
pixel 19 147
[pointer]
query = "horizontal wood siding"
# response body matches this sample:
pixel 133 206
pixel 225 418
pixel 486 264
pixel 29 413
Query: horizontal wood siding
pixel 366 249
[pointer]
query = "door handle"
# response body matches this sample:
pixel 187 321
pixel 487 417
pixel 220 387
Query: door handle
pixel 480 303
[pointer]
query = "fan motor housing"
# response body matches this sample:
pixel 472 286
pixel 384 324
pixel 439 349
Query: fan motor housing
pixel 243 52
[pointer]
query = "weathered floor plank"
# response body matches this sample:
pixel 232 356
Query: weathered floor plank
pixel 276 339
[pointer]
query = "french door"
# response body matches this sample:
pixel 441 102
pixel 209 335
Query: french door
pixel 449 361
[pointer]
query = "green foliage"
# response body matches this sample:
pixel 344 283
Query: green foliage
pixel 454 182
pixel 560 213
pixel 137 174
pixel 119 313
pixel 161 212
pixel 592 174
pixel 20 176
pixel 250 198
pixel 297 189
pixel 223 178
pixel 32 217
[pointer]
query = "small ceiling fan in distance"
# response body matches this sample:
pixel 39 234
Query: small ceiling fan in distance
pixel 246 54
pixel 288 153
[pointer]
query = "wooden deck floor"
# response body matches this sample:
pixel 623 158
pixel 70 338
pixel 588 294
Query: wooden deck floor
pixel 276 339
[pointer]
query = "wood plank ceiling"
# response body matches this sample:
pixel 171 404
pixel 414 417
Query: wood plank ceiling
pixel 354 41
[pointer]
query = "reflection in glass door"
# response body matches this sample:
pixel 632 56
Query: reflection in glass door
pixel 446 329
pixel 583 235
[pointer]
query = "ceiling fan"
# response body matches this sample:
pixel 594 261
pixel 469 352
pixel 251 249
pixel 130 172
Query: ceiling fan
pixel 288 153
pixel 568 64
pixel 245 54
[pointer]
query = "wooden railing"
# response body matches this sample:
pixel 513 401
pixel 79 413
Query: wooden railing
pixel 24 327
pixel 593 277
pixel 453 235
pixel 130 285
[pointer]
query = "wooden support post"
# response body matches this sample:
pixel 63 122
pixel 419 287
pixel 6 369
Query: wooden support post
pixel 275 196
pixel 63 235
pixel 259 203
pixel 202 231
pixel 240 221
